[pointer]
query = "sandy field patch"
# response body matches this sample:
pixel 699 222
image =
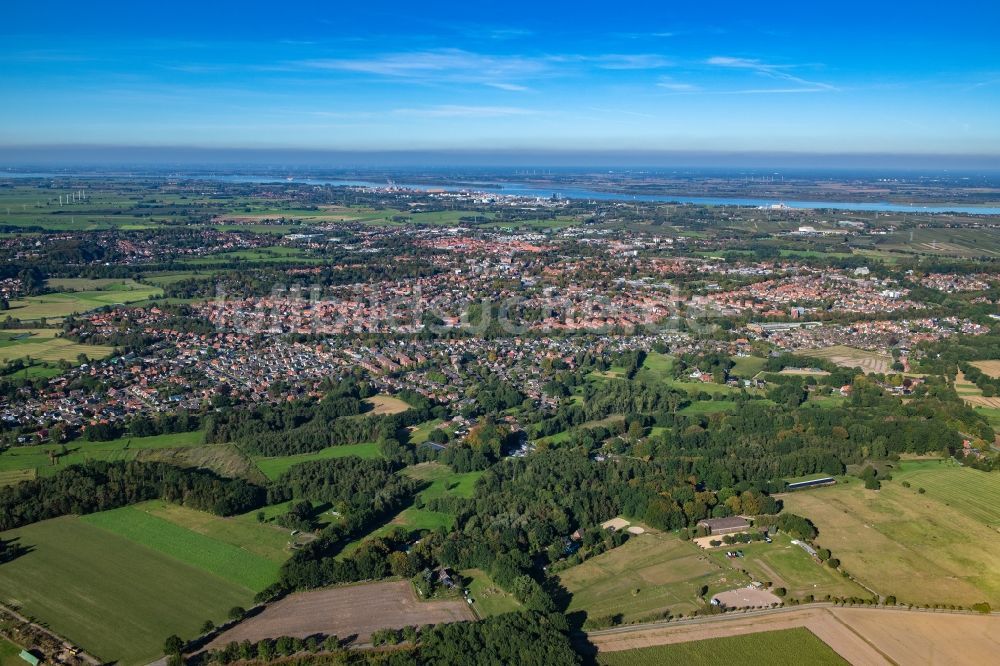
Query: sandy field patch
pixel 386 404
pixel 863 636
pixel 352 611
pixel 747 597
pixel 615 523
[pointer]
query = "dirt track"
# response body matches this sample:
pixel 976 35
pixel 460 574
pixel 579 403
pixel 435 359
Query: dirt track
pixel 352 611
pixel 863 636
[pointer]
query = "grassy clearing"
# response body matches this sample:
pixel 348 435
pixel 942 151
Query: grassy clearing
pixel 648 575
pixel 849 357
pixel 37 458
pixel 386 404
pixel 488 598
pixel 443 483
pixel 708 407
pixel 786 565
pixel 278 465
pixel 225 560
pixel 747 366
pixel 787 646
pixel 941 546
pixel 116 598
pixel 420 433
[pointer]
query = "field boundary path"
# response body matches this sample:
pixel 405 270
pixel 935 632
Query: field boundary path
pixel 80 652
pixel 860 635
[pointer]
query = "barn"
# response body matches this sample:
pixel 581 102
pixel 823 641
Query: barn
pixel 729 525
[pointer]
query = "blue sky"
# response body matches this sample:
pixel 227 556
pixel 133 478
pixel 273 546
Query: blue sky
pixel 820 77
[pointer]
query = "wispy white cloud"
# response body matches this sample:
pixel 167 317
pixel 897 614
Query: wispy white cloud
pixel 770 70
pixel 461 111
pixel 513 87
pixel 676 86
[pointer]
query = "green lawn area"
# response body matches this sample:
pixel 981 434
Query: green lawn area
pixel 264 255
pixel 767 648
pixel 708 407
pixel 278 465
pixel 940 546
pixel 786 565
pixel 63 304
pixel 976 494
pixel 262 540
pixel 419 433
pixel 992 414
pixel 113 596
pixel 42 345
pixel 9 654
pixel 648 575
pixel 488 598
pixel 747 366
pixel 222 559
pixel 37 457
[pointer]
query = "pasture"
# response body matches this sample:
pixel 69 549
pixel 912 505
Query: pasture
pixel 786 565
pixel 350 611
pixel 488 598
pixel 62 304
pixel 9 654
pixel 41 344
pixel 225 560
pixel 786 646
pixel 647 576
pixel 47 459
pixel 274 467
pixel 116 598
pixel 940 546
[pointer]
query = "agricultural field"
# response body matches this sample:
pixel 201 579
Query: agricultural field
pixel 276 466
pixel 349 611
pixel 649 575
pixel 849 357
pixel 701 407
pixel 234 563
pixel 41 344
pixel 386 404
pixel 115 597
pixel 40 458
pixel 263 255
pixel 941 241
pixel 784 564
pixel 797 645
pixel 939 546
pixel 488 598
pixel 267 541
pixel 58 305
pixel 94 284
pixel 989 368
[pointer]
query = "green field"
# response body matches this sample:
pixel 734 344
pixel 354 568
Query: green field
pixel 278 465
pixel 699 407
pixel 37 457
pixel 747 366
pixel 116 598
pixel 648 575
pixel 488 598
pixel 940 546
pixel 42 345
pixel 231 562
pixel 786 565
pixel 261 540
pixel 9 654
pixel 768 648
pixel 63 304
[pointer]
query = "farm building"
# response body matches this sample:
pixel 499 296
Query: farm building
pixel 29 658
pixel 728 525
pixel 825 481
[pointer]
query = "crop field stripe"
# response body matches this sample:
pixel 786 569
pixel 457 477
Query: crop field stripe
pixel 221 559
pixel 786 646
pixel 116 598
